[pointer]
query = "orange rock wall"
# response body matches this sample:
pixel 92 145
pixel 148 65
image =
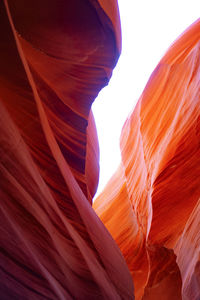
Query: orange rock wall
pixel 150 205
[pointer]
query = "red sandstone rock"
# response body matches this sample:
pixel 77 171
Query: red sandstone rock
pixel 150 205
pixel 188 260
pixel 55 56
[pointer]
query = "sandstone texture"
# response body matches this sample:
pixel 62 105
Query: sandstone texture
pixel 151 204
pixel 140 238
pixel 55 56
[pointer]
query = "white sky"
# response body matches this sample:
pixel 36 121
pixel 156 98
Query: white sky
pixel 148 29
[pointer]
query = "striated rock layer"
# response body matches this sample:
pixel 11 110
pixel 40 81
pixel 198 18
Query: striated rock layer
pixel 151 204
pixel 55 56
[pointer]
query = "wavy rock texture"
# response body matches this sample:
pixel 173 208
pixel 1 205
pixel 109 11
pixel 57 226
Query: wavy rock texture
pixel 55 56
pixel 151 204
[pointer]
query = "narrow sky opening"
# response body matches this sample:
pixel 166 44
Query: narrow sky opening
pixel 148 29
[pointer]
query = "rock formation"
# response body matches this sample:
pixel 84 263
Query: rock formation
pixel 55 57
pixel 151 204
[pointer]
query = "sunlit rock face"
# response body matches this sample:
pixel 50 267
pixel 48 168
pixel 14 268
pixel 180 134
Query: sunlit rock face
pixel 151 204
pixel 55 56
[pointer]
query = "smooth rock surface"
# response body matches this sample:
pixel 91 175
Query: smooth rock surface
pixel 55 56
